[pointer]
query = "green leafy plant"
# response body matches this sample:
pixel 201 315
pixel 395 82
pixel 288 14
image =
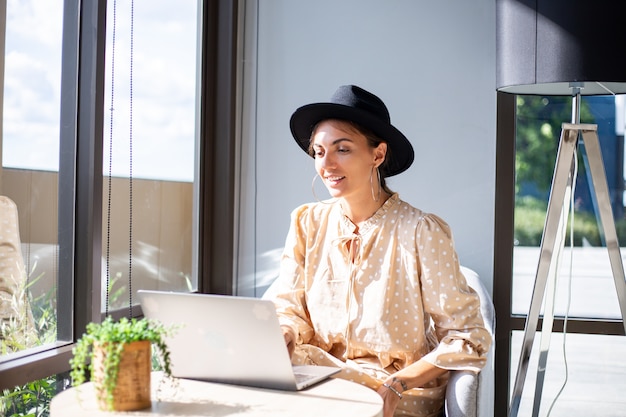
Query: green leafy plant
pixel 113 336
pixel 32 323
pixel 25 327
pixel 31 399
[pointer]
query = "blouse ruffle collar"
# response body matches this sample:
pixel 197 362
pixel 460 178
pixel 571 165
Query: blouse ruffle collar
pixel 373 220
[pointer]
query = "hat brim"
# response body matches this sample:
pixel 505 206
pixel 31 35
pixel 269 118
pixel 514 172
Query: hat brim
pixel 304 119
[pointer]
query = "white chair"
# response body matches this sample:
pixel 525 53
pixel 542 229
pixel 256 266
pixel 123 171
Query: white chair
pixel 469 394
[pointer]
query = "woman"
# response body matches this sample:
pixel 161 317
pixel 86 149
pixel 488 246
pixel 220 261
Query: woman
pixel 369 283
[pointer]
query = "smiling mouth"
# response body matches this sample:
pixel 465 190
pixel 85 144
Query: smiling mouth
pixel 334 179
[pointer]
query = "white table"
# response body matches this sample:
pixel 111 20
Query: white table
pixel 334 397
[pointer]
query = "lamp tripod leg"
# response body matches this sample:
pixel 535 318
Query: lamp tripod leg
pixel 553 277
pixel 554 218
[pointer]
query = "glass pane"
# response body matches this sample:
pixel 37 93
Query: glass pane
pixel 594 367
pixel 585 271
pixel 149 135
pixel 29 174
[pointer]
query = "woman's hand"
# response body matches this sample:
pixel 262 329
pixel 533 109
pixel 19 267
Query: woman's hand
pixel 415 375
pixel 390 398
pixel 290 339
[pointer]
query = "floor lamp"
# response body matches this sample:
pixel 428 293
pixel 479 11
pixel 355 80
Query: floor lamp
pixel 558 47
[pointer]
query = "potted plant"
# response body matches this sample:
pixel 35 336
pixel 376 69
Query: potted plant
pixel 119 359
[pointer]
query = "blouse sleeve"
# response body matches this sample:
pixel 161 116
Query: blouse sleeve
pixel 288 291
pixel 453 306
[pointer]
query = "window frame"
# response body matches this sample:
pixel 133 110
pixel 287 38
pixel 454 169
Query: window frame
pixel 81 179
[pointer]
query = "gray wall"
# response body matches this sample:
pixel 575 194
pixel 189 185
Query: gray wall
pixel 431 61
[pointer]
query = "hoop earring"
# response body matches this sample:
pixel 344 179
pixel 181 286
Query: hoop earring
pixel 313 191
pixel 374 196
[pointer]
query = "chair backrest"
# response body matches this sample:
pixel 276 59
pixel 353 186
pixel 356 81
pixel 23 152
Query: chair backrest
pixel 486 303
pixel 469 394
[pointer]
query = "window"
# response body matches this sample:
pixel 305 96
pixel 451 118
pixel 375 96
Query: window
pixel 57 93
pixel 538 128
pixel 585 290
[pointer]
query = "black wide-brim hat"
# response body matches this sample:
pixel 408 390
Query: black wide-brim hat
pixel 357 105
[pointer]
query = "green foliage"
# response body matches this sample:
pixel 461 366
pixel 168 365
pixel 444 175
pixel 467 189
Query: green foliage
pixel 113 336
pixel 530 215
pixel 29 400
pixel 33 319
pixel 538 128
pixel 33 324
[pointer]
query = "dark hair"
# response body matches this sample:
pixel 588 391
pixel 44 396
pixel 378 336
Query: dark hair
pixel 372 140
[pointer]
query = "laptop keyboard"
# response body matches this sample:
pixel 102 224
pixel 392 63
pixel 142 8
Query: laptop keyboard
pixel 303 377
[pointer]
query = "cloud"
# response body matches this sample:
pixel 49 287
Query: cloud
pixel 164 86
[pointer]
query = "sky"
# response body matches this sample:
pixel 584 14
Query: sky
pixel 163 87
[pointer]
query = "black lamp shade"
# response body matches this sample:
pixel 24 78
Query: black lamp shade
pixel 544 45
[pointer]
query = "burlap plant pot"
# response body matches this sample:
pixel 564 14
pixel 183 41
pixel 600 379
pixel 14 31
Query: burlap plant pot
pixel 132 389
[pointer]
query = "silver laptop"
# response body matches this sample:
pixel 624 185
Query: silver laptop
pixel 228 339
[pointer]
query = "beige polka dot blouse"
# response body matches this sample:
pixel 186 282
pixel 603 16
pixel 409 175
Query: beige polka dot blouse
pixel 377 300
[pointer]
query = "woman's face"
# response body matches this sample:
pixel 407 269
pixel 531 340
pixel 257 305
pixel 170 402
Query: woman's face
pixel 344 159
